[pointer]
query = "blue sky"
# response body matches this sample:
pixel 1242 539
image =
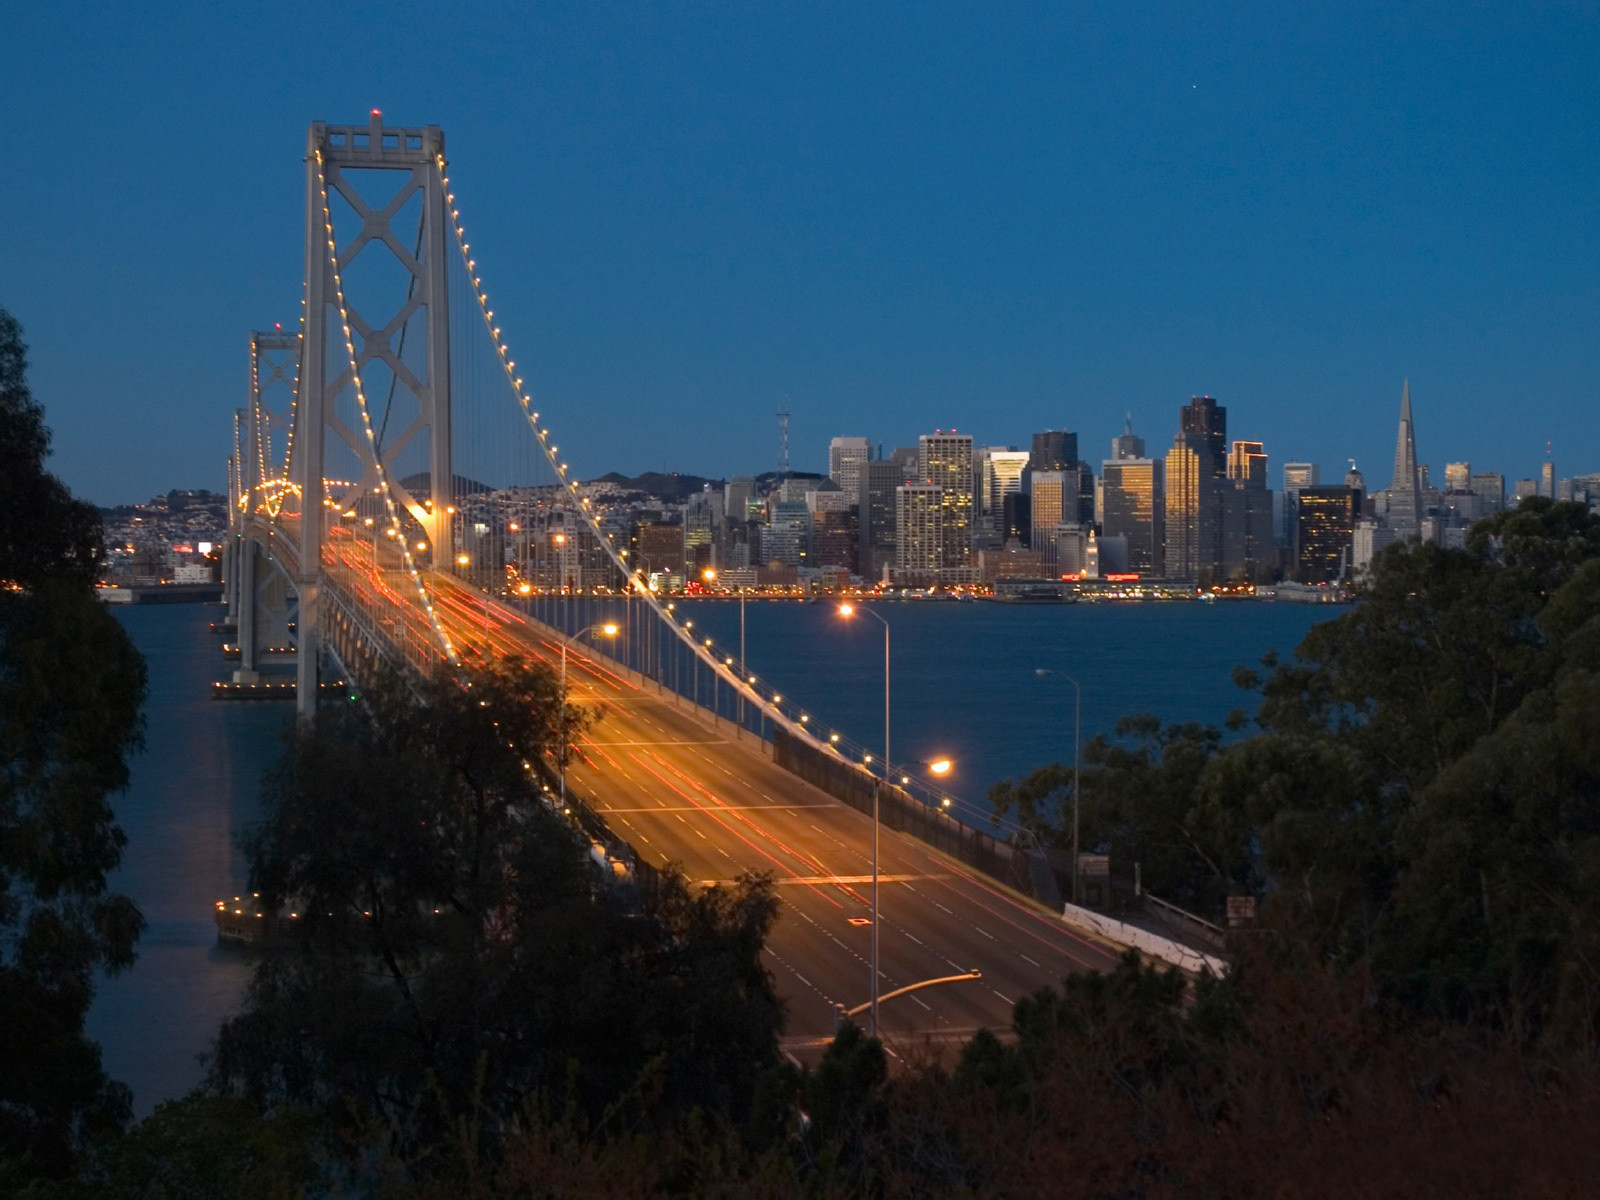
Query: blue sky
pixel 994 217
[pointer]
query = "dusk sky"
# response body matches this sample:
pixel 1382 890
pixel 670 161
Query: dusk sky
pixel 1000 218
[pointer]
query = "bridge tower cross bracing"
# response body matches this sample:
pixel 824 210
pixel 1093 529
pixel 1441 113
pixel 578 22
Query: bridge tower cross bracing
pixel 415 155
pixel 256 592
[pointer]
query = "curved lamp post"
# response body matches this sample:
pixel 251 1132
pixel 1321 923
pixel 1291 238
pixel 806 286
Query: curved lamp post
pixel 940 766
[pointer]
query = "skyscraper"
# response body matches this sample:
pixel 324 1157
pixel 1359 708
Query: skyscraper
pixel 1000 475
pixel 1207 419
pixel 1047 510
pixel 945 460
pixel 1190 509
pixel 1405 491
pixel 1458 477
pixel 1547 479
pixel 1296 475
pixel 877 515
pixel 845 456
pixel 919 532
pixel 1247 464
pixel 1327 531
pixel 1134 503
pixel 1053 450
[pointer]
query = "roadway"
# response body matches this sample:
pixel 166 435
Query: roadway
pixel 683 791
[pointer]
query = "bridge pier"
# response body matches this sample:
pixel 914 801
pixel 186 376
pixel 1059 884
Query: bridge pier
pixel 245 614
pixel 307 649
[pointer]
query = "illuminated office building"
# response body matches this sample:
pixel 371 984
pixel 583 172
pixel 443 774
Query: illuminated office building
pixel 945 461
pixel 845 458
pixel 999 474
pixel 1208 420
pixel 1189 511
pixel 1053 450
pixel 876 515
pixel 1133 501
pixel 919 533
pixel 1327 523
pixel 1247 464
pixel 1045 513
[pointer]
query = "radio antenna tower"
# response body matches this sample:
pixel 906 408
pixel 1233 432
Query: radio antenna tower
pixel 783 441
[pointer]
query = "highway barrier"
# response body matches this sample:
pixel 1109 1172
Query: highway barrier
pixel 897 809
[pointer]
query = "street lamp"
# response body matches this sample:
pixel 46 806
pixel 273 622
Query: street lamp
pixel 1077 735
pixel 849 610
pixel 605 629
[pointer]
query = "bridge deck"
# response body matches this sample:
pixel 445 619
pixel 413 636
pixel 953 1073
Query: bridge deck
pixel 681 790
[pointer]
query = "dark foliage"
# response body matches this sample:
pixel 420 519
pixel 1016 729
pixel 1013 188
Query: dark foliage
pixel 459 954
pixel 71 685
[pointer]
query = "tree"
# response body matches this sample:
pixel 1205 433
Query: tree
pixel 1140 804
pixel 456 953
pixel 71 685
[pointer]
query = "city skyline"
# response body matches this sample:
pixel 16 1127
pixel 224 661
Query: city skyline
pixel 1003 222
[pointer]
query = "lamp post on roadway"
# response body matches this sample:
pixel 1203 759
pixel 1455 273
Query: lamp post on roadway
pixel 1077 733
pixel 607 629
pixel 848 610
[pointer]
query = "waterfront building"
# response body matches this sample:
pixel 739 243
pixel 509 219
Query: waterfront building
pixel 1406 508
pixel 945 460
pixel 1247 545
pixel 919 533
pixel 1326 535
pixel 1133 508
pixel 1075 548
pixel 845 458
pixel 1010 562
pixel 1208 420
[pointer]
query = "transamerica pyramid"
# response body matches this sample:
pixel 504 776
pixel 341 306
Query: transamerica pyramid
pixel 1405 496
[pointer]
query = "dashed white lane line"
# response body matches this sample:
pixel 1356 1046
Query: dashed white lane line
pixel 952 913
pixel 1003 996
pixel 985 932
pixel 1026 959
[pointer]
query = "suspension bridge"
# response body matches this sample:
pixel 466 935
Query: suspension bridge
pixel 397 497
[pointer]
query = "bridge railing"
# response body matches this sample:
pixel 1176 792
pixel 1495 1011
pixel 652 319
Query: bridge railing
pixel 901 811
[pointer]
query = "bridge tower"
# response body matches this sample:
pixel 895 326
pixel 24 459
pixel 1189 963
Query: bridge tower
pixel 260 602
pixel 336 156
